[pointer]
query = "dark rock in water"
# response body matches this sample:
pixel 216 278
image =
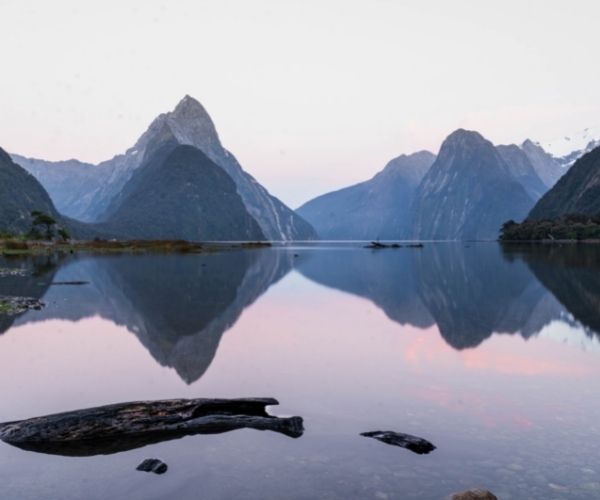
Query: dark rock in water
pixel 415 245
pixel 153 465
pixel 119 427
pixel 474 494
pixel 377 245
pixel 16 305
pixel 70 283
pixel 412 443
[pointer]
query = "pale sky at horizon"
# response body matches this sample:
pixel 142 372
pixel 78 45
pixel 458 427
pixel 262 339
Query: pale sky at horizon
pixel 309 95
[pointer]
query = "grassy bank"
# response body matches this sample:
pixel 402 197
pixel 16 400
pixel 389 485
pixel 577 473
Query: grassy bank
pixel 17 246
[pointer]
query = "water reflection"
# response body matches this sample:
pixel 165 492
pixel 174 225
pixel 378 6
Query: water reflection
pixel 469 291
pixel 179 306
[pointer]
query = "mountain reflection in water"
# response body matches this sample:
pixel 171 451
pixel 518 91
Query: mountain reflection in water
pixel 179 306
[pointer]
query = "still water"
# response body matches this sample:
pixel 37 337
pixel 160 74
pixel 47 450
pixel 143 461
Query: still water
pixel 493 355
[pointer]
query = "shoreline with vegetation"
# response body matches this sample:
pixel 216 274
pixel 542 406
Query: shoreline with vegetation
pixel 13 246
pixel 564 229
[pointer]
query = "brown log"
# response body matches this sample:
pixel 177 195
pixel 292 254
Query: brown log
pixel 124 426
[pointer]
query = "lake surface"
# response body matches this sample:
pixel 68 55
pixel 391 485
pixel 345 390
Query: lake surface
pixel 493 355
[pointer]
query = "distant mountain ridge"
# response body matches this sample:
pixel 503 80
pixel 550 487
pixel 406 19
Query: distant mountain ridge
pixel 377 208
pixel 187 124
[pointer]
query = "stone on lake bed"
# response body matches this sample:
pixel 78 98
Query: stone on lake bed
pixel 413 443
pixel 474 494
pixel 153 465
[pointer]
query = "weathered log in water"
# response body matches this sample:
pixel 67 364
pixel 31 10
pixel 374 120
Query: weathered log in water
pixel 119 427
pixel 412 443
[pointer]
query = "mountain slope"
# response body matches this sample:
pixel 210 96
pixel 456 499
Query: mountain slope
pixel 71 184
pixel 377 208
pixel 522 170
pixel 179 193
pixel 577 192
pixel 20 194
pixel 468 192
pixel 547 167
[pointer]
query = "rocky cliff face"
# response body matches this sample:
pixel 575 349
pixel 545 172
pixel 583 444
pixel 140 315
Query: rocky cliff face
pixel 577 192
pixel 179 193
pixel 377 208
pixel 468 192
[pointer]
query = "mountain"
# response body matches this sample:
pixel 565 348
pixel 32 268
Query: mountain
pixel 468 192
pixel 572 146
pixel 522 170
pixel 179 193
pixel 377 208
pixel 547 166
pixel 188 124
pixel 71 184
pixel 20 194
pixel 577 192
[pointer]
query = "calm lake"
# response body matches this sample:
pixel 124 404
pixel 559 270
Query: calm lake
pixel 492 355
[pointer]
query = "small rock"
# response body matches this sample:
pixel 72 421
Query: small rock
pixel 412 443
pixel 474 494
pixel 153 465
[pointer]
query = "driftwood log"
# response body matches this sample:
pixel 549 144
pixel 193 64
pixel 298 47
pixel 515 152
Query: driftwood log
pixel 412 443
pixel 125 426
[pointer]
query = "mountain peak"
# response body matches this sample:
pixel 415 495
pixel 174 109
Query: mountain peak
pixel 461 136
pixel 189 106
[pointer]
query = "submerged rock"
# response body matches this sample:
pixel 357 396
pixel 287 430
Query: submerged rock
pixel 412 443
pixel 153 465
pixel 70 283
pixel 17 305
pixel 378 245
pixel 119 427
pixel 474 494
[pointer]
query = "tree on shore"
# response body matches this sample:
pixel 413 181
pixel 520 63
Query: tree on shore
pixel 44 220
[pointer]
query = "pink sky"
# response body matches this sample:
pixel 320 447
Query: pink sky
pixel 310 95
